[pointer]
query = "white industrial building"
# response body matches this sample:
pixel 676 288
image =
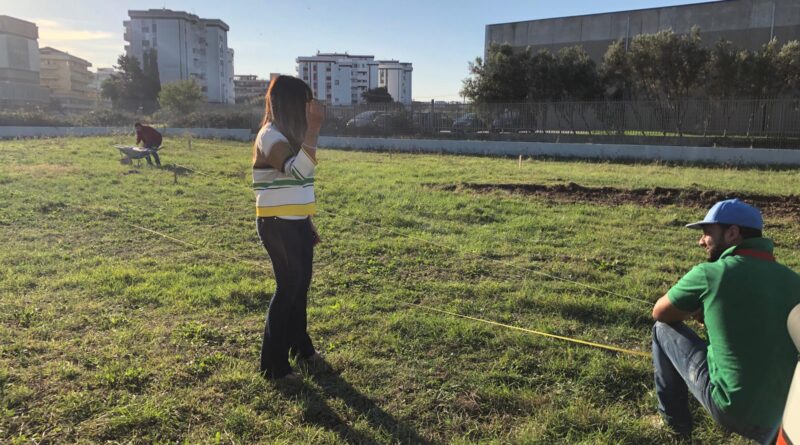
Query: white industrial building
pixel 187 47
pixel 396 77
pixel 20 64
pixel 342 78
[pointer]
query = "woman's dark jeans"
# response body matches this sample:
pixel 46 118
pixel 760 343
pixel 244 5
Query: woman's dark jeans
pixel 290 245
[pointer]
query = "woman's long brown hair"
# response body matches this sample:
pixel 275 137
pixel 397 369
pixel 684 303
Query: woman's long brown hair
pixel 285 108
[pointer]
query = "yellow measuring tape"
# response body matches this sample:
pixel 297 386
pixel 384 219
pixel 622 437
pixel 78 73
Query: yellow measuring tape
pixel 531 331
pixel 427 308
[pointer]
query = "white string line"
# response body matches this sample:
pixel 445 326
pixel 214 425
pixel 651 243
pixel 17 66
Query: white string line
pixel 414 305
pixel 453 249
pixel 218 253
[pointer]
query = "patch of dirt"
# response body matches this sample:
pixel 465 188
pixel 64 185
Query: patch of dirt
pixel 775 205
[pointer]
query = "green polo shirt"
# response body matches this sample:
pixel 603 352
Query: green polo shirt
pixel 746 302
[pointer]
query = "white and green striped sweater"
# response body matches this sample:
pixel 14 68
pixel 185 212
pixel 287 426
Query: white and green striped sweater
pixel 288 191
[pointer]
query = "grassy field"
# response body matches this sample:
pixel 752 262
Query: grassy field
pixel 109 333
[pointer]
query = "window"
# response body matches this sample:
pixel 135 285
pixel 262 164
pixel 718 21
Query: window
pixel 154 27
pixel 145 29
pixel 145 44
pixel 336 82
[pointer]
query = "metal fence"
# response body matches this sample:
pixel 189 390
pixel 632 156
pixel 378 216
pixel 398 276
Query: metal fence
pixel 771 123
pixel 738 123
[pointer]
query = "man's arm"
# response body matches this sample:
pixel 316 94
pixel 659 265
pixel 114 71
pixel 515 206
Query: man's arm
pixel 665 312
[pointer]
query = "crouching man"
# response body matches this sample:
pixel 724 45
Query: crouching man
pixel 150 139
pixel 742 375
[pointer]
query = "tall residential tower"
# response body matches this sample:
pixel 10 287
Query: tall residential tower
pixel 186 47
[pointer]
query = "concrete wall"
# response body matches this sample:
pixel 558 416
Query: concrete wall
pixel 36 132
pixel 747 23
pixel 722 156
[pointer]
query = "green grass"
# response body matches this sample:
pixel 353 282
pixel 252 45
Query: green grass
pixel 109 333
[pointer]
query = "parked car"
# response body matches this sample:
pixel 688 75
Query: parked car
pixel 364 120
pixel 426 120
pixel 508 120
pixel 468 122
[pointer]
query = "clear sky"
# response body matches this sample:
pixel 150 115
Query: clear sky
pixel 439 37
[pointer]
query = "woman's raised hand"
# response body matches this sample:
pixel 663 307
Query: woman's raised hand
pixel 315 114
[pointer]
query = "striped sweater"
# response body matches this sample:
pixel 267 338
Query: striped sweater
pixel 283 179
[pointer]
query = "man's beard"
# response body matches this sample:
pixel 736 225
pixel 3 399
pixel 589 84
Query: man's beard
pixel 716 252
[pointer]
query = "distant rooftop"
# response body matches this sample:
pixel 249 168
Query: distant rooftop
pixel 624 11
pixel 58 53
pixel 342 55
pixel 170 14
pixel 22 28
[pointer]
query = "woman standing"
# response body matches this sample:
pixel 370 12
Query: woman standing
pixel 284 157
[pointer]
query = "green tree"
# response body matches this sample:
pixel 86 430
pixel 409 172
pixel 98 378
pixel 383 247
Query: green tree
pixel 668 68
pixel 152 80
pixel 724 79
pixel 181 97
pixel 616 74
pixel 377 95
pixel 577 76
pixel 760 77
pixel 501 77
pixel 129 88
pixel 789 64
pixel 724 72
pixel 576 80
pixel 542 77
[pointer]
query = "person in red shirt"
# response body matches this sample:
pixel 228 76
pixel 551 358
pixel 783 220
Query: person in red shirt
pixel 150 139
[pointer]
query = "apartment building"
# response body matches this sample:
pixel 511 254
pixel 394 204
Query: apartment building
pixel 67 77
pixel 186 47
pixel 342 78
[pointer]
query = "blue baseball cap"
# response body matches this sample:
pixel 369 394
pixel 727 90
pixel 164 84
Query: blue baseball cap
pixel 733 212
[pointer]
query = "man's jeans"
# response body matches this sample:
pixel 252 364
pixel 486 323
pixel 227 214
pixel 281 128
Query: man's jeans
pixel 679 359
pixel 154 152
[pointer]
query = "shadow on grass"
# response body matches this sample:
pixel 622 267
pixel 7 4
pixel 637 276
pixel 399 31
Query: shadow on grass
pixel 318 412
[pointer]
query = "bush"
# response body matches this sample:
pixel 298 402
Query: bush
pixel 211 119
pixel 32 119
pixel 107 118
pixel 182 97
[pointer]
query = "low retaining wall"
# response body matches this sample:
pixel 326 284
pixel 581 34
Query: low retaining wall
pixel 722 156
pixel 37 132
